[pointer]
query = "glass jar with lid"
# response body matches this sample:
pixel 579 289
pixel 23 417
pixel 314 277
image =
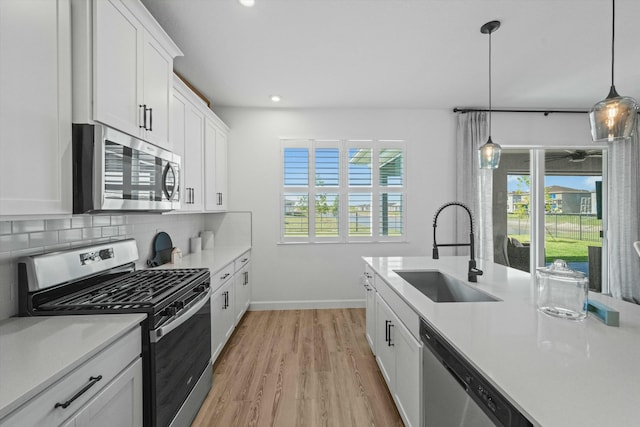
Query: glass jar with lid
pixel 561 291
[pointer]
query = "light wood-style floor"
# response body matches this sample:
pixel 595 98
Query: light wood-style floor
pixel 298 368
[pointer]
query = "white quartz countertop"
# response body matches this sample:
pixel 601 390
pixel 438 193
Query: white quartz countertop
pixel 558 372
pixel 35 352
pixel 214 259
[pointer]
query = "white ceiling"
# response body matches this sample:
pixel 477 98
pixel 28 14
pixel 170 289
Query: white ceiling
pixel 403 53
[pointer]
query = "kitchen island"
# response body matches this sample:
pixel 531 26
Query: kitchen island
pixel 557 372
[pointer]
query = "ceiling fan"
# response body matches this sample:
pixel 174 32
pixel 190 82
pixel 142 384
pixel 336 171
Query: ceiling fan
pixel 574 155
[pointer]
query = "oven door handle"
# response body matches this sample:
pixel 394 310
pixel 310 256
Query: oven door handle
pixel 158 334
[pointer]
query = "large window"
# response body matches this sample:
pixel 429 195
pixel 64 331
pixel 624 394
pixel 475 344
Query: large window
pixel 343 191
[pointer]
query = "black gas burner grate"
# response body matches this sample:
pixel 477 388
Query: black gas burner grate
pixel 143 288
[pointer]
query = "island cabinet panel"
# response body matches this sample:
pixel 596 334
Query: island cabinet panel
pixel 407 394
pixel 398 353
pixel 368 282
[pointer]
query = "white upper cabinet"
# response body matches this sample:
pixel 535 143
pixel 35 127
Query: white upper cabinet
pixel 124 77
pixel 215 154
pixel 35 107
pixel 187 139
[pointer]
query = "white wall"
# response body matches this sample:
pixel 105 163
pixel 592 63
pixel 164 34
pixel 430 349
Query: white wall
pixel 326 275
pixel 538 130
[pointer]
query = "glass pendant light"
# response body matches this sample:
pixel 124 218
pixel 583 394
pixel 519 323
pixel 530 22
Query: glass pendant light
pixel 489 153
pixel 613 118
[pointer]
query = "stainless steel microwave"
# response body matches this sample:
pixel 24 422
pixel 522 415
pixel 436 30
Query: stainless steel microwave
pixel 113 171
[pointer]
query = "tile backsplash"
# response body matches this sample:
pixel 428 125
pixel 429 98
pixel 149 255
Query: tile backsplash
pixel 30 237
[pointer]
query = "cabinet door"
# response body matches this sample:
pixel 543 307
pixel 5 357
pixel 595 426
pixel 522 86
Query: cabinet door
pixel 216 181
pixel 408 375
pixel 117 72
pixel 222 317
pixel 192 161
pixel 385 355
pixel 35 106
pixel 228 313
pixel 222 185
pixel 211 199
pixel 218 329
pixel 118 404
pixel 371 317
pixel 157 88
pixel 242 292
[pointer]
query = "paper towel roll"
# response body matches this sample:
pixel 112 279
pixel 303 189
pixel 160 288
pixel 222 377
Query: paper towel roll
pixel 195 244
pixel 207 239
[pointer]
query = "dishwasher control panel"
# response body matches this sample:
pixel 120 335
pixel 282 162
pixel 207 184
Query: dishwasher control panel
pixel 501 412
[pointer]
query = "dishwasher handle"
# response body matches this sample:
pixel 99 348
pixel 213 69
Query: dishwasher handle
pixel 455 375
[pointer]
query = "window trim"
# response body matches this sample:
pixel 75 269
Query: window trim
pixel 343 190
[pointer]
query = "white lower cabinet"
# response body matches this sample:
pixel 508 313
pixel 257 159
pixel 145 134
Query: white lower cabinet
pixel 242 290
pixel 398 355
pixel 105 391
pixel 118 404
pixel 370 298
pixel 222 317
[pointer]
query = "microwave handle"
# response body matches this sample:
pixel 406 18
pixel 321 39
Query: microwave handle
pixel 176 185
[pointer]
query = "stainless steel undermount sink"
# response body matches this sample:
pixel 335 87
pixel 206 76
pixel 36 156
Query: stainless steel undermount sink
pixel 440 287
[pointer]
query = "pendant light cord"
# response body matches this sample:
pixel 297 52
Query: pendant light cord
pixel 613 36
pixel 490 84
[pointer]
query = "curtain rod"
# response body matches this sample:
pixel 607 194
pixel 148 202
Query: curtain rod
pixel 494 110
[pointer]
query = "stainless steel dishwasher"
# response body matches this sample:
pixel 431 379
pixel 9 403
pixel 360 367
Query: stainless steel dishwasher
pixel 455 394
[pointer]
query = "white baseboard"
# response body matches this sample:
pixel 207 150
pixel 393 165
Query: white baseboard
pixel 305 305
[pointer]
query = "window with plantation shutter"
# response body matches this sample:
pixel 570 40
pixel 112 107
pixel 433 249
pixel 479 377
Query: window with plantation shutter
pixel 343 191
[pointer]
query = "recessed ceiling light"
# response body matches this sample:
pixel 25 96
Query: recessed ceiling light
pixel 247 3
pixel 275 98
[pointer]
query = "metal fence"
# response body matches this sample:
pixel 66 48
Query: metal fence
pixel 585 227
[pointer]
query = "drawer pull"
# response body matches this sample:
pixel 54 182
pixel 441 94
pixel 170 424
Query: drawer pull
pixel 92 382
pixel 225 276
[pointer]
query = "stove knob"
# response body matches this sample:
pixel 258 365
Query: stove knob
pixel 170 311
pixel 179 305
pixel 200 288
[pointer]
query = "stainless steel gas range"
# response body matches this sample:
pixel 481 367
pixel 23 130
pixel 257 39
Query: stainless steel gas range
pixel 176 336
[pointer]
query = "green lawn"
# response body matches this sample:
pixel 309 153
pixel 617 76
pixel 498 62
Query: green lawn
pixel 327 227
pixel 566 249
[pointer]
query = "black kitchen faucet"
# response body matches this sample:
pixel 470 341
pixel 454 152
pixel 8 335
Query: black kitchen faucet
pixel 473 272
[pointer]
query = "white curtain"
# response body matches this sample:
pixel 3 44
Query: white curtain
pixel 474 186
pixel 624 217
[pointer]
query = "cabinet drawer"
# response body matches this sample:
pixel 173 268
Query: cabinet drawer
pixel 221 276
pixel 242 260
pixel 41 410
pixel 404 312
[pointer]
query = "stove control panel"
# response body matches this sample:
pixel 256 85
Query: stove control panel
pixel 96 256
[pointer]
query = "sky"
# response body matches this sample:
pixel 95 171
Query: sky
pixel 577 182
